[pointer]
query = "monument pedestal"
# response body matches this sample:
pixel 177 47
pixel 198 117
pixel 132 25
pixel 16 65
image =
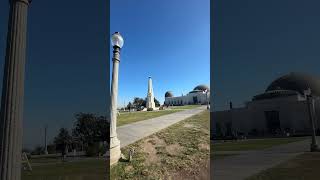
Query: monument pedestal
pixel 150 102
pixel 115 152
pixel 150 97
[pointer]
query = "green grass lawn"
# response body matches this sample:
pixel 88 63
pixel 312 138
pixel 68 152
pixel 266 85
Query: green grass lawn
pixel 220 156
pixel 185 107
pixel 179 151
pixel 252 144
pixel 131 117
pixel 54 169
pixel 303 167
pixel 44 160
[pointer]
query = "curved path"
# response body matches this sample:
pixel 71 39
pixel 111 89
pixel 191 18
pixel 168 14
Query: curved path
pixel 133 132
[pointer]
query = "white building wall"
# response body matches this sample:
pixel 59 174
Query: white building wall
pixel 293 114
pixel 187 99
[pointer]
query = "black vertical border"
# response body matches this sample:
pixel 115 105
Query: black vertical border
pixel 211 79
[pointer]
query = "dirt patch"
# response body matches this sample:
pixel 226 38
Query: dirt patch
pixel 156 141
pixel 151 152
pixel 192 126
pixel 149 146
pixel 204 146
pixel 128 169
pixel 187 125
pixel 200 172
pixel 174 149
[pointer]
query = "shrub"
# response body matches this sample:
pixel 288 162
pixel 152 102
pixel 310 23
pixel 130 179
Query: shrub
pixel 92 150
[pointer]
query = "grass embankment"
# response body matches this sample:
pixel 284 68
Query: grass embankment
pixel 223 149
pixel 185 107
pixel 53 169
pixel 303 167
pixel 180 151
pixel 253 144
pixel 131 117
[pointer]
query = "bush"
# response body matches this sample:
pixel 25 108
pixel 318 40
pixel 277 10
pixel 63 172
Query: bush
pixel 254 132
pixel 102 149
pixel 150 109
pixel 93 150
pixel 38 150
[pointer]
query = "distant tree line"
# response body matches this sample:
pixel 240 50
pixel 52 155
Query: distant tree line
pixel 137 103
pixel 89 133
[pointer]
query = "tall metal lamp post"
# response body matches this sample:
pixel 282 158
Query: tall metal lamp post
pixel 310 104
pixel 115 152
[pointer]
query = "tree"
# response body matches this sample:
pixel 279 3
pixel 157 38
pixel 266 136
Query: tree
pixel 52 149
pixel 156 102
pixel 62 140
pixel 102 129
pixel 129 106
pixel 84 128
pixel 38 150
pixel 138 102
pixel 90 130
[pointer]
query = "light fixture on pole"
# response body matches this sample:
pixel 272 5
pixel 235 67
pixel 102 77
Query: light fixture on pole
pixel 115 152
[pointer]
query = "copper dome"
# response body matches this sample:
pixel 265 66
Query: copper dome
pixel 168 94
pixel 201 87
pixel 298 82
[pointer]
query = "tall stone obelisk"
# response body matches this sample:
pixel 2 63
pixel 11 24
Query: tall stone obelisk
pixel 13 92
pixel 150 97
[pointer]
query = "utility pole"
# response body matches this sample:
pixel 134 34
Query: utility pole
pixel 45 140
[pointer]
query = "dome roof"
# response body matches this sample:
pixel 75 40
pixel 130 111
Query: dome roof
pixel 201 87
pixel 274 94
pixel 196 91
pixel 296 82
pixel 168 94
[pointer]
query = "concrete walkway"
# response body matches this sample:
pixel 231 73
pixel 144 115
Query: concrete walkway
pixel 133 132
pixel 242 166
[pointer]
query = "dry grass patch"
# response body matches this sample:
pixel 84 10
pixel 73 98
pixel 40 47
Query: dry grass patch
pixel 174 149
pixel 203 146
pixel 175 152
pixel 131 117
pixel 303 167
pixel 151 153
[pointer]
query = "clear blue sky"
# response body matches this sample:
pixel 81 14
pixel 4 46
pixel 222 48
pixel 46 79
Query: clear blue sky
pixel 255 42
pixel 167 40
pixel 66 70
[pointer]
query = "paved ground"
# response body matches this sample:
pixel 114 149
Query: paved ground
pixel 130 133
pixel 241 166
